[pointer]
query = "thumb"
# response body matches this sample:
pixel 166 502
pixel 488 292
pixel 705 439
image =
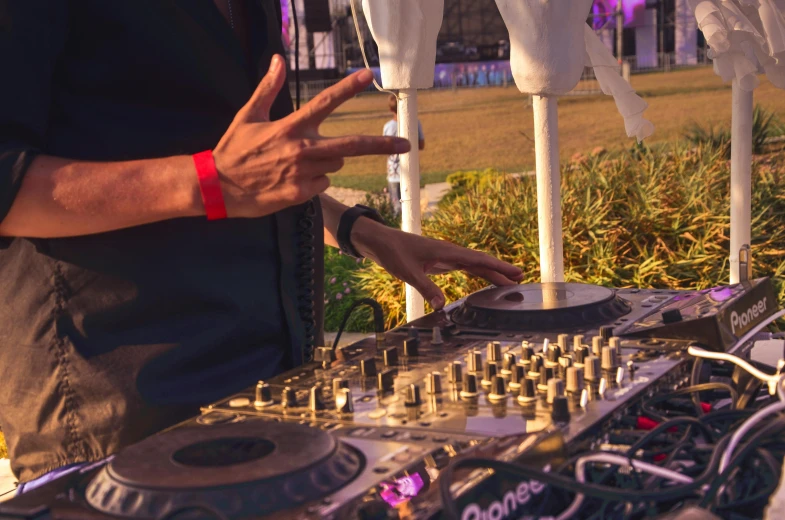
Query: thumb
pixel 429 290
pixel 257 109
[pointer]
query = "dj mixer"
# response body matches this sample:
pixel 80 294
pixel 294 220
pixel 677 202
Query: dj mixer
pixel 530 375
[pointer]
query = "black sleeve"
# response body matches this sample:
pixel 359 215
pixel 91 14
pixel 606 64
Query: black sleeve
pixel 32 36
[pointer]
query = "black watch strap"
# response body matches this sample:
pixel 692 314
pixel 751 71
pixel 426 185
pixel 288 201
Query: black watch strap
pixel 346 224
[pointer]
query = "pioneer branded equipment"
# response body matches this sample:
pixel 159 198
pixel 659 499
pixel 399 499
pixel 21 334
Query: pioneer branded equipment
pixel 532 375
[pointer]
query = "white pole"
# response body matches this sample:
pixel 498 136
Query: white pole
pixel 546 143
pixel 410 186
pixel 740 177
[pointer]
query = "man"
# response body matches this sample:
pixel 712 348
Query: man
pixel 122 308
pixel 394 161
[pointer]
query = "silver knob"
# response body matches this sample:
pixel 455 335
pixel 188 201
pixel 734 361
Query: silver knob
pixel 596 345
pixel 315 399
pixel 455 372
pixel 577 341
pixel 433 385
pixel 339 383
pixel 343 401
pixel 264 396
pixel 555 389
pixel 494 351
pixel 564 342
pixel 498 390
pixel 592 369
pixel 474 361
pixel 607 358
pixel 436 336
pixel 574 380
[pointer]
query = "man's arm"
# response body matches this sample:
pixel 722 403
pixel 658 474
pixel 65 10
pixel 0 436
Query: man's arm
pixel 412 257
pixel 264 167
pixel 60 198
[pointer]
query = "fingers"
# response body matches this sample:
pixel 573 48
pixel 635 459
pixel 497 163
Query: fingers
pixel 492 276
pixel 474 260
pixel 258 107
pixel 429 290
pixel 356 145
pixel 329 99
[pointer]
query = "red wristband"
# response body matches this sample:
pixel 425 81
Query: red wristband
pixel 210 185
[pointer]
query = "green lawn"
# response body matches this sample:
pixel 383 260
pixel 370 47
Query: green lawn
pixel 475 129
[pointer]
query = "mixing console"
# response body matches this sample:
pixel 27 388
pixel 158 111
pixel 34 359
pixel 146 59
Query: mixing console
pixel 529 374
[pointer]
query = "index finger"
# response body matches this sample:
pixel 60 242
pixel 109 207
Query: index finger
pixel 475 259
pixel 329 99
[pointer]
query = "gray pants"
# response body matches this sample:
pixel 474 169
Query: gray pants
pixel 395 196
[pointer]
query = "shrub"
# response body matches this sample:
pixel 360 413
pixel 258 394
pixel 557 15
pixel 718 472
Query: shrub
pixel 638 219
pixel 339 271
pixel 461 182
pixel 764 125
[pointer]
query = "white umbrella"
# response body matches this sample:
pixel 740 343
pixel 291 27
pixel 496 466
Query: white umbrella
pixel 406 32
pixel 745 37
pixel 550 45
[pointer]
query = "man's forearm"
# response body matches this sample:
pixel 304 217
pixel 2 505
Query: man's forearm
pixel 62 198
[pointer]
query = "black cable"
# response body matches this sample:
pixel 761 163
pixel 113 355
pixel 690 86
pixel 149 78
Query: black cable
pixel 296 56
pixel 647 407
pixel 378 317
pixel 305 278
pixel 718 481
pixel 591 490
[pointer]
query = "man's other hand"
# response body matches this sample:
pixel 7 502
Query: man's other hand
pixel 267 166
pixel 412 257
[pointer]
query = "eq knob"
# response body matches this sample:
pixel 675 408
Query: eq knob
pixel 581 353
pixel 339 383
pixel 390 356
pixel 411 347
pixel 606 332
pixel 607 358
pixel 517 375
pixel 536 365
pixel 498 391
pixel 574 380
pixel 264 395
pixel 491 369
pixel 615 342
pixel 385 380
pixel 577 341
pixel 555 389
pixel 596 345
pixel 433 384
pixel 289 398
pixel 456 372
pixel 526 364
pixel 343 401
pixel 508 362
pixel 564 342
pixel 564 363
pixel 368 367
pixel 528 393
pixel 413 396
pixel 592 369
pixel 554 353
pixel 526 350
pixel 494 351
pixel 469 385
pixel 474 361
pixel 560 410
pixel 546 374
pixel 315 399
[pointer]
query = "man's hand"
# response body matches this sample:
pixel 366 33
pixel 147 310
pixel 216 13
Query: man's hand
pixel 268 166
pixel 411 258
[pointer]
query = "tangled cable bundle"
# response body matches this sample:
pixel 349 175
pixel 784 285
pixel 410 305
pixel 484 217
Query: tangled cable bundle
pixel 717 444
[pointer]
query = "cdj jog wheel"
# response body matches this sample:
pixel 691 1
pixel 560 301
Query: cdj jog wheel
pixel 237 471
pixel 541 306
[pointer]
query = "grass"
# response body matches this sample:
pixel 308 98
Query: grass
pixel 475 129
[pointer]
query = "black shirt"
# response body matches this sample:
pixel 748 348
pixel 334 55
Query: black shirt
pixel 105 339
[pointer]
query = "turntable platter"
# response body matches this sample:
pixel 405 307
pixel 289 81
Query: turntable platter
pixel 241 470
pixel 541 307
